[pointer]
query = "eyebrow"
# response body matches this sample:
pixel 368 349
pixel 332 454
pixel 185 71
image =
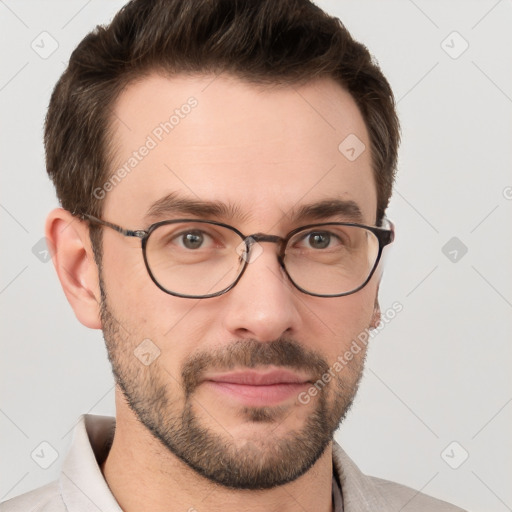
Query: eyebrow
pixel 175 204
pixel 347 210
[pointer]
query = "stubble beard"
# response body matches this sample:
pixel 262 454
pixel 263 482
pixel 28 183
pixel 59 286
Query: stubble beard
pixel 262 462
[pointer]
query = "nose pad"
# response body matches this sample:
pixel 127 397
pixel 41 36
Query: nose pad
pixel 249 249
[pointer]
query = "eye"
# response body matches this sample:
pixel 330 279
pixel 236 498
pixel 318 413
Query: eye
pixel 194 239
pixel 319 240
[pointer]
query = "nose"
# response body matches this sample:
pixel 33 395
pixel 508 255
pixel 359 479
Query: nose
pixel 263 304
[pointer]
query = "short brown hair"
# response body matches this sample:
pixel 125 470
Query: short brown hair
pixel 260 41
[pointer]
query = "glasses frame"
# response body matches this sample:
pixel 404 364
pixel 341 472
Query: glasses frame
pixel 384 236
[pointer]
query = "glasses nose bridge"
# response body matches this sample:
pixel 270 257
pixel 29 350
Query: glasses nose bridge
pixel 263 237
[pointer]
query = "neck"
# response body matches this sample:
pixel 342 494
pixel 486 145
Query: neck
pixel 144 475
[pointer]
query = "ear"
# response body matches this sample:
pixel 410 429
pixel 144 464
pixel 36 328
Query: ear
pixel 73 258
pixel 376 315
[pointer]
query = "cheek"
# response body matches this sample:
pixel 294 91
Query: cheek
pixel 347 319
pixel 123 269
pixel 131 293
pixel 177 326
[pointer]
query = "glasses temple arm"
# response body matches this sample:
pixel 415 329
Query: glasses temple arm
pixel 126 232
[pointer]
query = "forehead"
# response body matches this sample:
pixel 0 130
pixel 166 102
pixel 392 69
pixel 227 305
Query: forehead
pixel 264 150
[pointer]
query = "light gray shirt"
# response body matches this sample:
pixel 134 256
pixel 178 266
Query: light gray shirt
pixel 81 486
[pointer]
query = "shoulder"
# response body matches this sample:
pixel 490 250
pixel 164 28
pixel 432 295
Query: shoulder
pixel 406 499
pixel 367 493
pixel 42 499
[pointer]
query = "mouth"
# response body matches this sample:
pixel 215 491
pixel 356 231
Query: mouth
pixel 256 388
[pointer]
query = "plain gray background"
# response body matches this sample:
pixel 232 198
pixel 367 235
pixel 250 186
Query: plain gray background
pixel 437 384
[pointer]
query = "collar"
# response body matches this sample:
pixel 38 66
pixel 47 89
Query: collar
pixel 360 494
pixel 82 485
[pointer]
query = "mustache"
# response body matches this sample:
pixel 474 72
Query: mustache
pixel 251 353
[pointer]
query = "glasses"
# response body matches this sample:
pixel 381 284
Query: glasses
pixel 198 259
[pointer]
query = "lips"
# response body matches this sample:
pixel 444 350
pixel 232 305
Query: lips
pixel 254 378
pixel 255 388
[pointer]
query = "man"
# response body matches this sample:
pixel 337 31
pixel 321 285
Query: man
pixel 224 168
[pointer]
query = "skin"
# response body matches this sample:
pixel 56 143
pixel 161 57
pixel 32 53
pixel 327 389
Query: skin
pixel 267 150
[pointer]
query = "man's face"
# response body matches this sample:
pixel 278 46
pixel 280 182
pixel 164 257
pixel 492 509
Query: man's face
pixel 267 152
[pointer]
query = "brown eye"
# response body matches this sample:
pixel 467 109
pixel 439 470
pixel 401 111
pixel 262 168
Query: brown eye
pixel 319 240
pixel 192 240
